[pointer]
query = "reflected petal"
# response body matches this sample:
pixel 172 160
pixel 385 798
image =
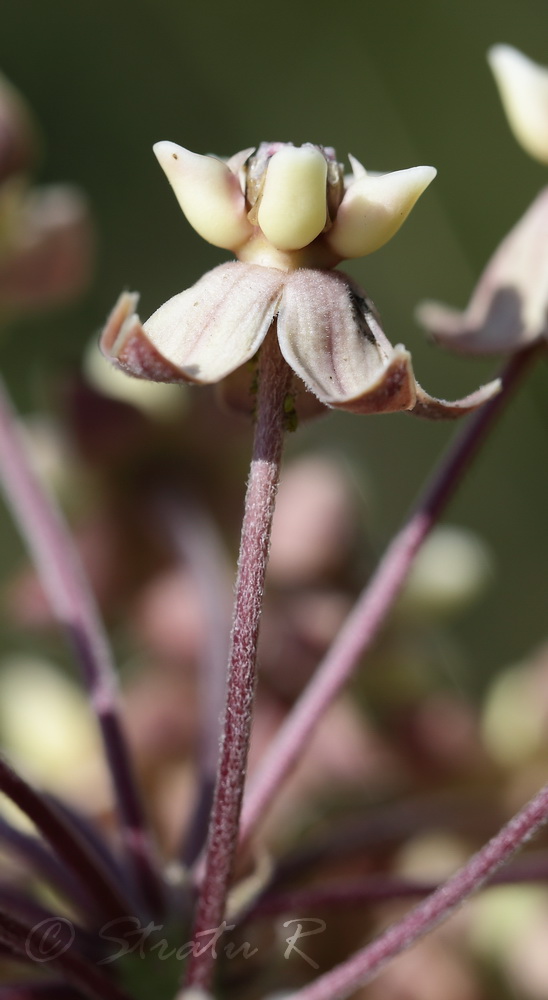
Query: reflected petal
pixel 217 325
pixel 330 335
pixel 439 409
pixel 236 393
pixel 509 307
pixel 125 344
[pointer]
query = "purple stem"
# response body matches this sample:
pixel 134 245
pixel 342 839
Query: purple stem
pixel 200 548
pixel 28 942
pixel 383 827
pixel 91 835
pixel 274 382
pixel 367 963
pixel 49 543
pixel 65 841
pixel 380 888
pixel 374 604
pixel 40 861
pixel 48 990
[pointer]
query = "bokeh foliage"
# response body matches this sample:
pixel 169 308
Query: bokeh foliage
pixel 397 84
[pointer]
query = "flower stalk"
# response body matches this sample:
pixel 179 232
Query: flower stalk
pixel 367 963
pixel 274 378
pixel 375 603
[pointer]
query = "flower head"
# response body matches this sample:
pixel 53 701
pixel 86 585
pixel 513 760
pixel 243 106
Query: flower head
pixel 289 215
pixel 508 309
pixel 45 233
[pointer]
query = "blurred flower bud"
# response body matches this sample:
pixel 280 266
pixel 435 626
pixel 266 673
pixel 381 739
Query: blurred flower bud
pixel 450 571
pixel 48 258
pixel 514 718
pixel 523 89
pixel 47 727
pixel 17 136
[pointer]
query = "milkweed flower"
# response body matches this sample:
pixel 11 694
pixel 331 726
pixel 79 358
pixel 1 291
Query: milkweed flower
pixel 290 216
pixel 508 310
pixel 45 232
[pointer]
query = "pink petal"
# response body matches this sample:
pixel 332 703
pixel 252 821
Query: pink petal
pixel 330 335
pixel 509 307
pixel 439 409
pixel 217 325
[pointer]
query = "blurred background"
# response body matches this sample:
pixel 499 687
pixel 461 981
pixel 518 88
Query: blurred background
pixel 397 84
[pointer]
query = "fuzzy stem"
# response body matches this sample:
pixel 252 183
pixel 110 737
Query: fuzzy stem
pixel 49 543
pixel 274 382
pixel 374 604
pixel 367 963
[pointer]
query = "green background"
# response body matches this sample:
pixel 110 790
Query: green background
pixel 396 84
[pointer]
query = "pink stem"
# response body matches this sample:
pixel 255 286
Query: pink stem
pixel 373 606
pixel 49 543
pixel 274 382
pixel 367 963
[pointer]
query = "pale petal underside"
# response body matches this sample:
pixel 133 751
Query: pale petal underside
pixel 509 307
pixel 330 336
pixel 217 325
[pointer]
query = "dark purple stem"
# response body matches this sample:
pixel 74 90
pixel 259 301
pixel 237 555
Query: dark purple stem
pixel 367 963
pixel 65 841
pixel 274 382
pixel 47 990
pixel 30 944
pixel 380 888
pixel 41 862
pixel 64 582
pixel 374 604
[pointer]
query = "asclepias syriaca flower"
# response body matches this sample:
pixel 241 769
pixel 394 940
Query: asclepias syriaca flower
pixel 508 310
pixel 290 216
